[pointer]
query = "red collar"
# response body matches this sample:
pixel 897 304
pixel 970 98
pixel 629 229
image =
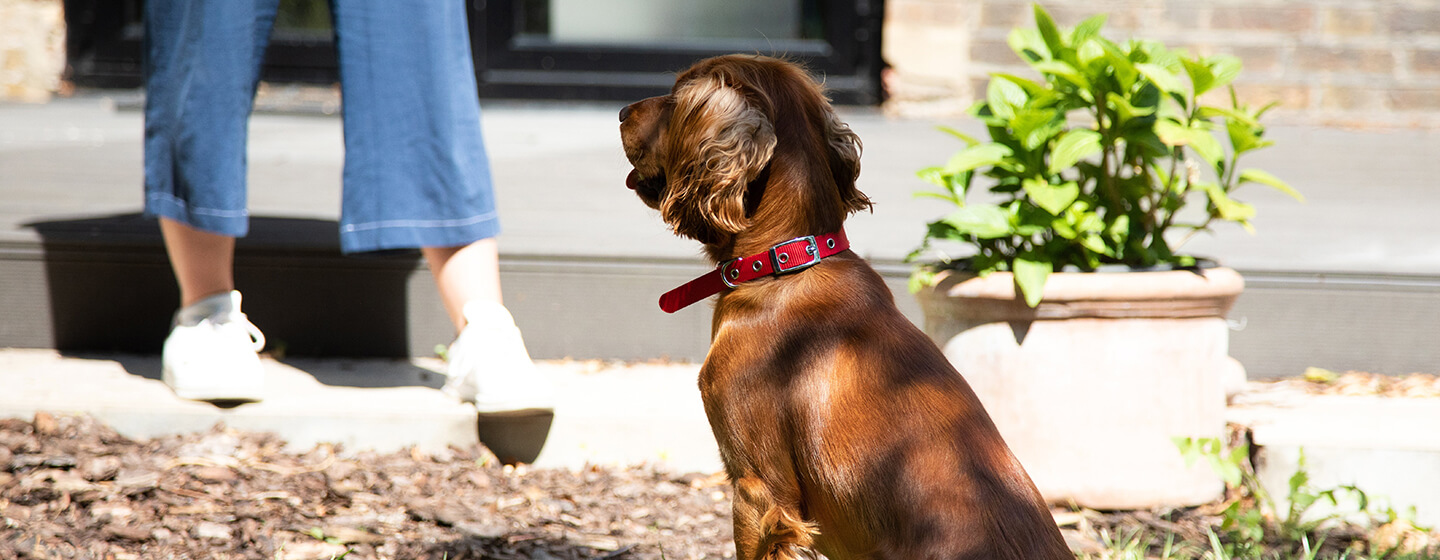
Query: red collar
pixel 784 258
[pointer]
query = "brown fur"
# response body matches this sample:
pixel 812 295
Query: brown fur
pixel 843 428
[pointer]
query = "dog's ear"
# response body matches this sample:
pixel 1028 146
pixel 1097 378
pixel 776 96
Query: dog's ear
pixel 719 142
pixel 845 148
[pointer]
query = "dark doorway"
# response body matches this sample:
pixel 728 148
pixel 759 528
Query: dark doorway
pixel 548 49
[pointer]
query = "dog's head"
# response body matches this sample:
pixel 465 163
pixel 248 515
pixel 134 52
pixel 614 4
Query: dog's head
pixel 704 153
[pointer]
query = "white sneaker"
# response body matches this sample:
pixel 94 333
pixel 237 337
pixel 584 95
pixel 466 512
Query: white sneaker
pixel 210 354
pixel 488 365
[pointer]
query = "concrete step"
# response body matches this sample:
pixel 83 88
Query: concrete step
pixel 1388 447
pixel 606 413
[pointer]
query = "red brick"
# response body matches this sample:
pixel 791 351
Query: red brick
pixel 1292 18
pixel 1345 59
pixel 903 11
pixel 1425 61
pixel 1186 14
pixel 1414 20
pixel 993 52
pixel 1292 97
pixel 1411 100
pixel 1348 22
pixel 1352 99
pixel 1259 60
pixel 1118 16
pixel 928 12
pixel 1006 15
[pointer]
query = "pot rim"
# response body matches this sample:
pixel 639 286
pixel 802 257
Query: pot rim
pixel 1188 293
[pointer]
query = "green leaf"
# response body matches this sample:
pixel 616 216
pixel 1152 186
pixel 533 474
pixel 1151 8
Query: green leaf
pixel 1198 138
pixel 1035 127
pixel 1119 230
pixel 1225 68
pixel 1208 112
pixel 1264 178
pixel 1028 45
pixel 1299 480
pixel 920 279
pixel 1048 31
pixel 1052 198
pixel 1162 78
pixel 1244 138
pixel 1063 229
pixel 1201 78
pixel 952 199
pixel 1205 144
pixel 1031 270
pixel 1154 52
pixel 1073 146
pixel 1087 30
pixel 1172 133
pixel 1032 88
pixel 1089 52
pixel 969 140
pixel 976 157
pixel 1121 65
pixel 1063 70
pixel 1095 243
pixel 1003 96
pixel 985 221
pixel 1125 110
pixel 1228 208
pixel 935 176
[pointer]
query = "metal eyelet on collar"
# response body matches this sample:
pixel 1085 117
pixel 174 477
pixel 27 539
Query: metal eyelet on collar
pixel 756 266
pixel 830 243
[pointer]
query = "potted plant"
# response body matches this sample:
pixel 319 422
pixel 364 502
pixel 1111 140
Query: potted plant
pixel 1090 339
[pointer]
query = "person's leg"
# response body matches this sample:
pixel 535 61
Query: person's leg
pixel 417 176
pixel 201 70
pixel 203 262
pixel 465 274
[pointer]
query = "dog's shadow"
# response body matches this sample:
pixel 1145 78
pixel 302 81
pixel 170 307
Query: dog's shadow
pixel 332 372
pixel 500 547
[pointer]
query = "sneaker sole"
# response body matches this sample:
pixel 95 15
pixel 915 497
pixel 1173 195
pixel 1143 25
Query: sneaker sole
pixel 217 395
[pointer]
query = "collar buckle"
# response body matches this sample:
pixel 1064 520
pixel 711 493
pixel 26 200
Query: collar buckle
pixel 783 260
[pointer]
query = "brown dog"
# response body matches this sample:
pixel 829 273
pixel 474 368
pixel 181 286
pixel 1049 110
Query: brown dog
pixel 843 428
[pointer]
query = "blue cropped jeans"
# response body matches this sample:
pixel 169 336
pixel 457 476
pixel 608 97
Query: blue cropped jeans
pixel 416 172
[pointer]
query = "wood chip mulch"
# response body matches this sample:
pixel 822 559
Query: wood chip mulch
pixel 71 487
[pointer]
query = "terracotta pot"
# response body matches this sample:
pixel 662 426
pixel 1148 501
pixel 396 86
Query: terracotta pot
pixel 1090 387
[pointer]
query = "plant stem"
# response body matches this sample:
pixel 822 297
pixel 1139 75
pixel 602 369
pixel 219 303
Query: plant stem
pixel 1107 181
pixel 1176 154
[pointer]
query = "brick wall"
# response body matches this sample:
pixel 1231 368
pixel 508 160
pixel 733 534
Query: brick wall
pixel 1330 62
pixel 32 49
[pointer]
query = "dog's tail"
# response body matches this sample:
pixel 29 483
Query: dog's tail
pixel 787 537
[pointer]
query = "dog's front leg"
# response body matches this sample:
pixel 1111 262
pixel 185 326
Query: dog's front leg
pixel 767 528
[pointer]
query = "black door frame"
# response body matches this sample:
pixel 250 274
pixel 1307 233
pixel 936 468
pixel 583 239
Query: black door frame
pixel 510 64
pixel 104 50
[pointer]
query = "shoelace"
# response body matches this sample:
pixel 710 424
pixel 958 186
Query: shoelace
pixel 257 338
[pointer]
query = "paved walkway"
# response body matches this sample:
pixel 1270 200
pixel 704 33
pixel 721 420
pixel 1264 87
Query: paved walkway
pixel 560 178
